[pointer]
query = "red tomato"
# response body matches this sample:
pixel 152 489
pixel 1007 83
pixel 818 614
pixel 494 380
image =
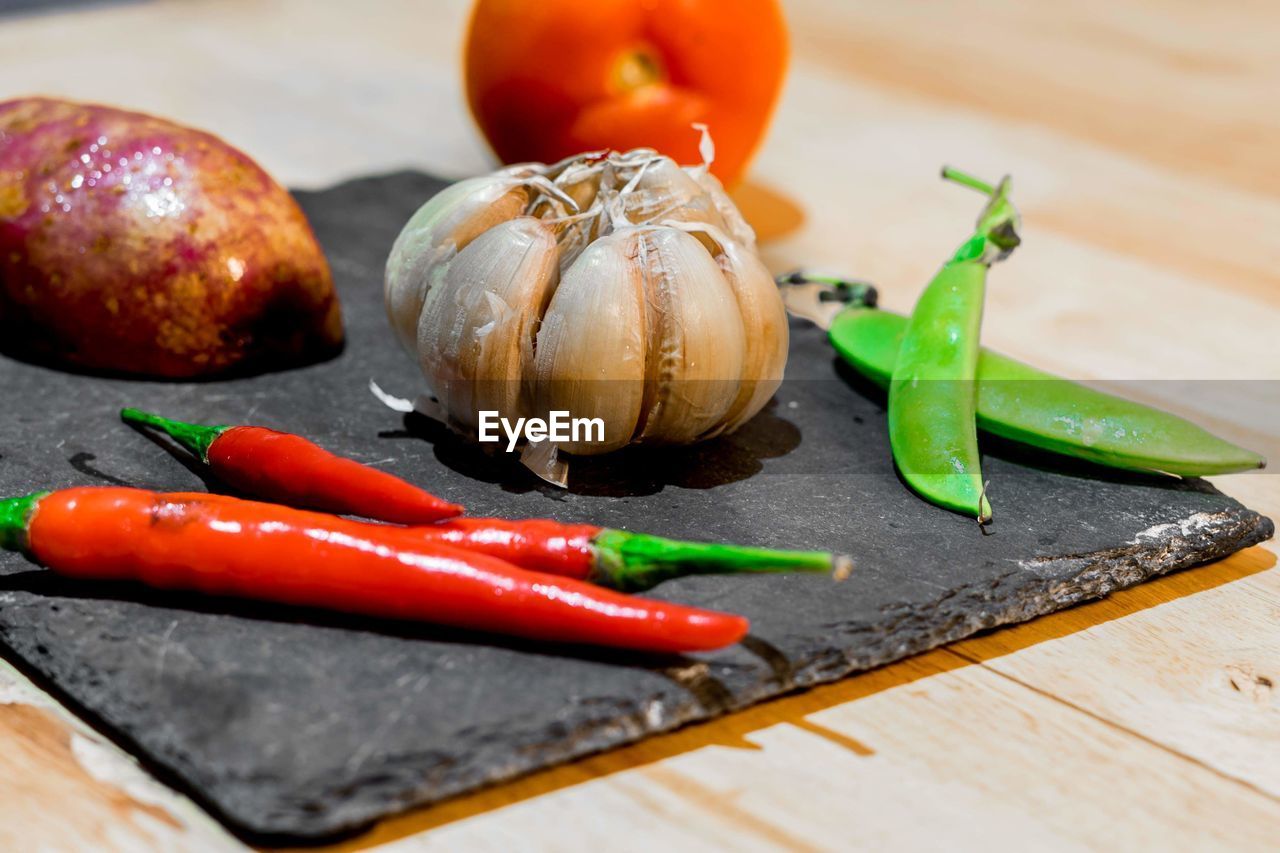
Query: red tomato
pixel 547 79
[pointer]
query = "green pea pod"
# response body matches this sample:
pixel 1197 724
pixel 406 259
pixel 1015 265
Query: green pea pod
pixel 932 401
pixel 1025 404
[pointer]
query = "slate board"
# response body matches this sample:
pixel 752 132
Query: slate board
pixel 297 724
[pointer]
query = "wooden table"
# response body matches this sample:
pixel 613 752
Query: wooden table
pixel 1144 137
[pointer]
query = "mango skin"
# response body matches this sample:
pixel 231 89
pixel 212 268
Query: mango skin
pixel 130 244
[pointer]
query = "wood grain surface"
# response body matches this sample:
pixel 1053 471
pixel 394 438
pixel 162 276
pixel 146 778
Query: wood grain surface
pixel 1142 135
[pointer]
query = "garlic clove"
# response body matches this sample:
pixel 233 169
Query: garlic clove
pixel 657 190
pixel 441 228
pixel 575 233
pixel 581 182
pixel 734 225
pixel 762 311
pixel 696 339
pixel 477 325
pixel 590 354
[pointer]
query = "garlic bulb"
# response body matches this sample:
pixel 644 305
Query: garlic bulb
pixel 614 286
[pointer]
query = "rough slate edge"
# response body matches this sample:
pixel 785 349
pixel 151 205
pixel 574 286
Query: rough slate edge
pixel 731 680
pixel 1191 542
pixel 1194 541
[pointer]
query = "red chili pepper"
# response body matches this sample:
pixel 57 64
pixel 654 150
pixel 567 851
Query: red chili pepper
pixel 289 469
pixel 226 546
pixel 618 558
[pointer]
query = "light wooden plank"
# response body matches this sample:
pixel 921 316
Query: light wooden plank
pixel 953 755
pixel 1183 83
pixel 1189 674
pixel 64 787
pixel 1194 669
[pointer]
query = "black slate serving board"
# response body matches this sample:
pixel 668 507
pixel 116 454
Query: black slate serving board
pixel 297 724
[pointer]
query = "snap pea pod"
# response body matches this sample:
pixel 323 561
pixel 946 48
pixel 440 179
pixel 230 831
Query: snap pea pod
pixel 1025 404
pixel 932 431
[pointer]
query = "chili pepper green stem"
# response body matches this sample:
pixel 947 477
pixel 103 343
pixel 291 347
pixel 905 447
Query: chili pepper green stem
pixel 194 437
pixel 637 561
pixel 15 514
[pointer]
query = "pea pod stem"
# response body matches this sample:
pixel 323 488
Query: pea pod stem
pixel 999 221
pixel 820 297
pixel 967 180
pixel 836 289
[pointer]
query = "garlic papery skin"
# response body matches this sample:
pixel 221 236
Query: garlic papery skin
pixel 435 234
pixel 614 286
pixel 476 328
